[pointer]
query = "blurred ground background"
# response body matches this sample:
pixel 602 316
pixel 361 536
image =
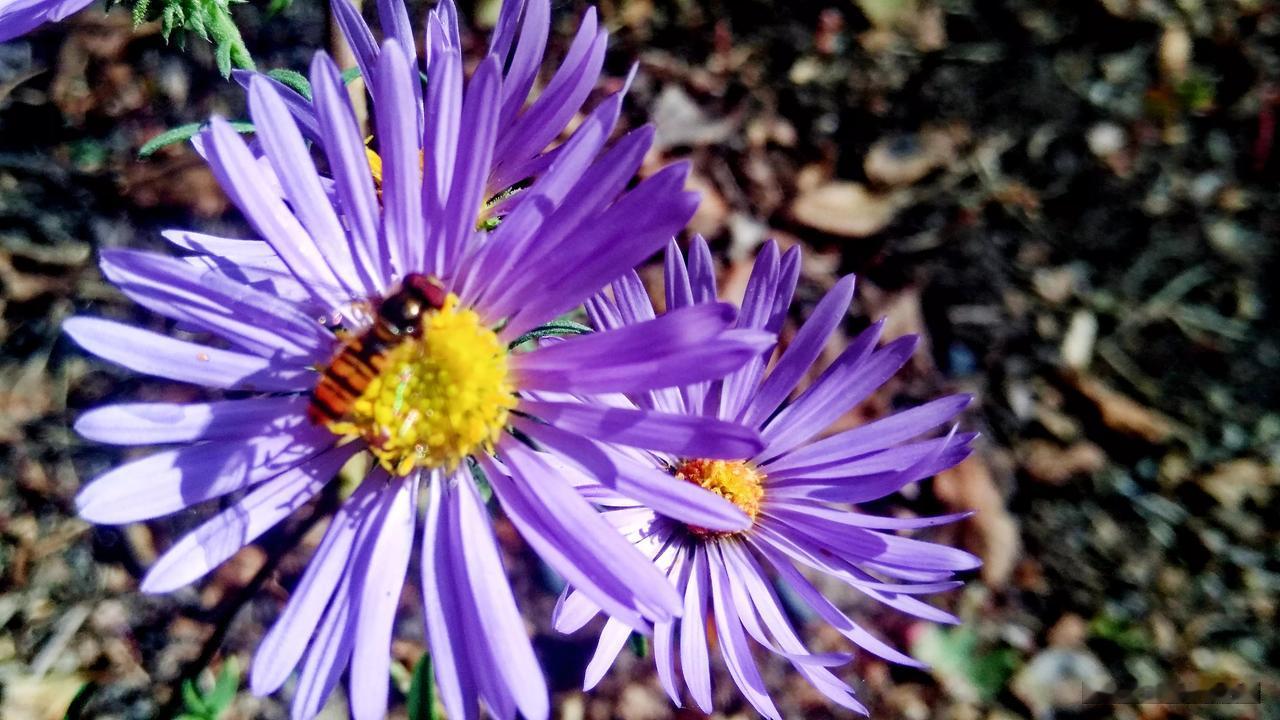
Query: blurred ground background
pixel 1074 202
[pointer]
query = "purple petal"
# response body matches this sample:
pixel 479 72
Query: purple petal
pixel 209 545
pixel 493 691
pixel 632 299
pixel 702 271
pixel 345 150
pixel 554 519
pixel 532 232
pixel 169 481
pixel 159 423
pixel 303 112
pixel 379 598
pixel 562 97
pixel 612 639
pixel 680 347
pixel 733 645
pixel 393 95
pixel 442 32
pixel 241 178
pixel 257 322
pixel 643 483
pixel 631 229
pixel 829 612
pixel 161 356
pixel 856 544
pixel 283 646
pixel 820 558
pixel 862 520
pixel 694 662
pixel 501 625
pixel 758 608
pixel 788 276
pixel 522 68
pixel 757 303
pixel 332 640
pixel 450 656
pixel 573 611
pixel 750 587
pixel 440 146
pixel 23 16
pixel 394 18
pixel 679 292
pixel 664 655
pixel 359 37
pixel 883 433
pixel 475 150
pixel 894 458
pixel 934 457
pixel 292 163
pixel 841 387
pixel 682 435
pixel 800 354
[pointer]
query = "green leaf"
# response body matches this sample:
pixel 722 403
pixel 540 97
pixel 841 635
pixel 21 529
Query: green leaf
pixel 349 75
pixel 140 12
pixel 295 80
pixel 183 133
pixel 191 698
pixel 224 688
pixel 422 702
pixel 552 329
pixel 169 137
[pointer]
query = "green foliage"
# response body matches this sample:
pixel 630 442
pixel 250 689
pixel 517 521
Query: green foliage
pixel 1197 93
pixel 1122 632
pixel 422 695
pixel 209 19
pixel 969 668
pixel 183 133
pixel 211 705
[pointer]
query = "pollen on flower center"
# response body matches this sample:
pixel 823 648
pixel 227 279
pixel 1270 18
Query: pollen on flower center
pixel 734 480
pixel 436 398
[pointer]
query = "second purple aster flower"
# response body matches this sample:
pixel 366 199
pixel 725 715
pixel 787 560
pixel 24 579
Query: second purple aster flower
pixel 796 490
pixel 411 361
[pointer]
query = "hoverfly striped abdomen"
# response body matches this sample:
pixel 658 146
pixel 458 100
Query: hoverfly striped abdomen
pixel 397 318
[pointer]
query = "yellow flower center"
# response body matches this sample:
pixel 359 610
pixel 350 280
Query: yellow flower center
pixel 733 480
pixel 437 397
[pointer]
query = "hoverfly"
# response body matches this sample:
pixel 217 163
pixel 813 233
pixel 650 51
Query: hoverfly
pixel 396 318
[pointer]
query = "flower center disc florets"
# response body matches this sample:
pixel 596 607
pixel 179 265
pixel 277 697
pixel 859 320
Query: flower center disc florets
pixel 734 480
pixel 437 397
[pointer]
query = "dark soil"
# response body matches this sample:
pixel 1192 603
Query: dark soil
pixel 1073 202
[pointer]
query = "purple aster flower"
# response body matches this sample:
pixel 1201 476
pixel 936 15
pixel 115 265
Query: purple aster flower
pixel 796 490
pixel 19 17
pixel 421 378
pixel 526 125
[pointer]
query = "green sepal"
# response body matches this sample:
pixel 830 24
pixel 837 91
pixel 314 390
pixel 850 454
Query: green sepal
pixel 639 645
pixel 552 329
pixel 293 79
pixel 183 133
